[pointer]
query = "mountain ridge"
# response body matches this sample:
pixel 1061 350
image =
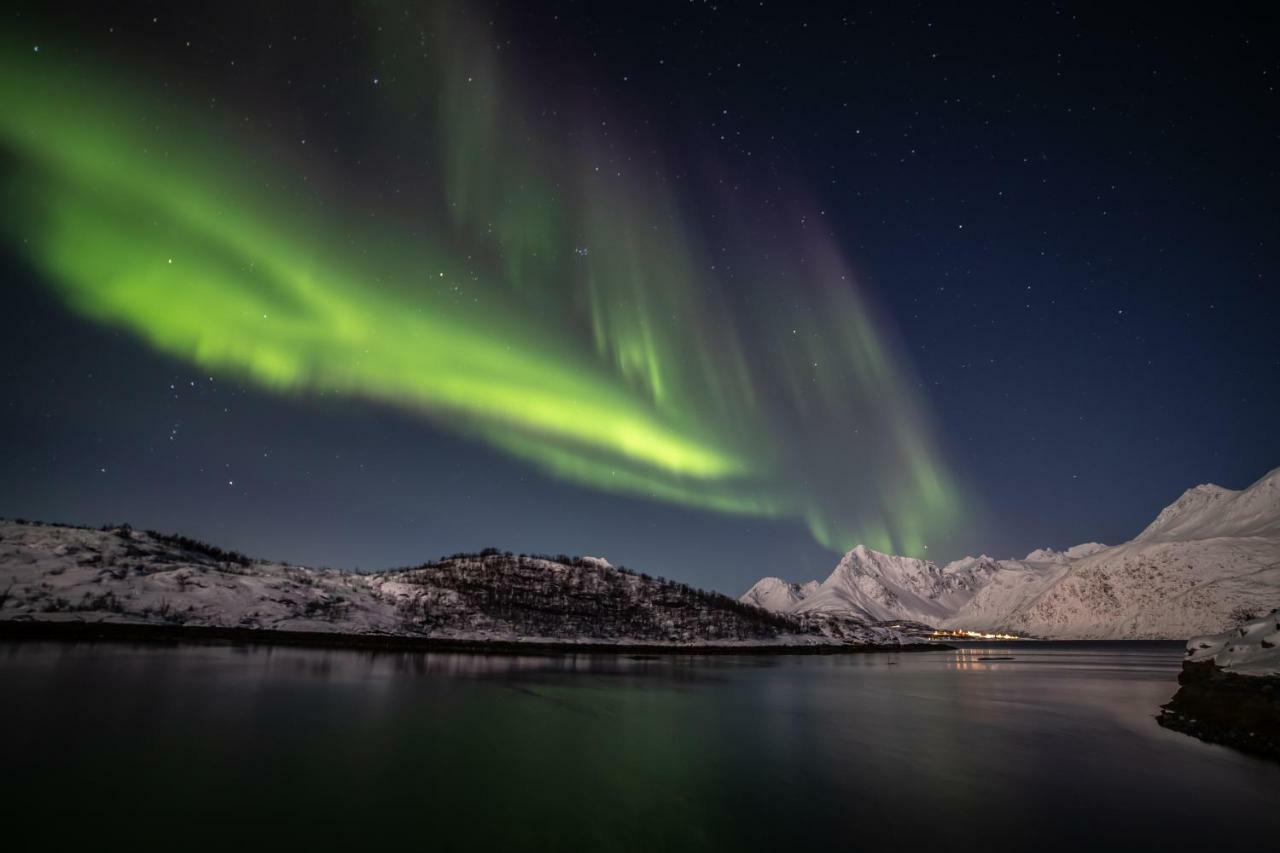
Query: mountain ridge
pixel 1208 559
pixel 120 576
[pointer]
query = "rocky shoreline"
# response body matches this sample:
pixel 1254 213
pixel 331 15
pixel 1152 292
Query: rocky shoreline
pixel 1230 688
pixel 1218 706
pixel 75 631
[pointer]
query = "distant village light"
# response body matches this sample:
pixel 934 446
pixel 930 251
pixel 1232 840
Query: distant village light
pixel 974 635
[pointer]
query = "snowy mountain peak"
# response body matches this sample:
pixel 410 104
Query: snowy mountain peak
pixel 864 560
pixel 969 564
pixel 1076 552
pixel 1210 511
pixel 871 585
pixel 775 594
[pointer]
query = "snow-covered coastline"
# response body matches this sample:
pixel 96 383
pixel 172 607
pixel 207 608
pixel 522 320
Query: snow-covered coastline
pixel 73 575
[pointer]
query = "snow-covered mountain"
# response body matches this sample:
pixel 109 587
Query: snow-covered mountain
pixel 1209 559
pixel 880 587
pixel 57 573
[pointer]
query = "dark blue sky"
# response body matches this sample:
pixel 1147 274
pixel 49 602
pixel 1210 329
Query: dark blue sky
pixel 1068 212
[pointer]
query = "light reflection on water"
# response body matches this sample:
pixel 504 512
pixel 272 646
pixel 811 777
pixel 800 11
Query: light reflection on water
pixel 1054 749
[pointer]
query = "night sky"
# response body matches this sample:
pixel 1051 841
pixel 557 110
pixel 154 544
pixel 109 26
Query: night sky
pixel 715 291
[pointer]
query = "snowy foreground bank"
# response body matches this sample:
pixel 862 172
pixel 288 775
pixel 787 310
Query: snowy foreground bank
pixel 1252 649
pixel 1230 688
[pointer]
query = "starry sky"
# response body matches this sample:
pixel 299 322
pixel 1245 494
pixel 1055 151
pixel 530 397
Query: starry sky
pixel 716 291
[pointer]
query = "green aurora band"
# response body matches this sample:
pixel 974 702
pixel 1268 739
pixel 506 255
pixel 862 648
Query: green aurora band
pixel 566 315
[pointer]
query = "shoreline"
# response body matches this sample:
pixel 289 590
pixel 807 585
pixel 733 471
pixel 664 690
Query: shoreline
pixel 1227 708
pixel 125 632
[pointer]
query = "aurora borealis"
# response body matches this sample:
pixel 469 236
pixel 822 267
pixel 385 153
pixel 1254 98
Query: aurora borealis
pixel 711 291
pixel 568 318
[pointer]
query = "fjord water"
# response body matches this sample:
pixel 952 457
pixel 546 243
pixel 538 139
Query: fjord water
pixel 1056 749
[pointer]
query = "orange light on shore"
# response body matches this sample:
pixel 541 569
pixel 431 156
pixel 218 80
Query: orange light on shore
pixel 974 635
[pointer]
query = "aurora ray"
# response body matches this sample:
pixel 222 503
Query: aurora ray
pixel 569 317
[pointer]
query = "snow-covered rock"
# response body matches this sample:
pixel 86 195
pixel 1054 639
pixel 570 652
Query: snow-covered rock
pixel 1251 649
pixel 1208 557
pixel 1229 688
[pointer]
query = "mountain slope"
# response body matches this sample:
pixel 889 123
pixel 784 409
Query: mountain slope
pixel 1154 590
pixel 1002 587
pixel 880 587
pixel 60 573
pixel 1208 559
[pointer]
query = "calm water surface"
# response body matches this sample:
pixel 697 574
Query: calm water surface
pixel 1056 749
